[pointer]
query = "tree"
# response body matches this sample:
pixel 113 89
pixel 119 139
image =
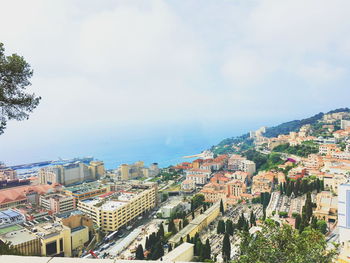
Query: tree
pixel 7 249
pixel 197 201
pixel 221 227
pixel 15 103
pixel 229 227
pixel 252 219
pixel 222 210
pixel 161 231
pixel 226 248
pixel 147 244
pixel 297 221
pixel 139 253
pixel 284 244
pixel 172 227
pixel 185 222
pixel 322 226
pixel 206 250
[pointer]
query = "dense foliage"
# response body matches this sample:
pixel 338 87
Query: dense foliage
pixel 283 244
pixel 7 249
pixel 263 161
pixel 15 103
pixel 302 150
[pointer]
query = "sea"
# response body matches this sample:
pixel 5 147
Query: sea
pixel 165 145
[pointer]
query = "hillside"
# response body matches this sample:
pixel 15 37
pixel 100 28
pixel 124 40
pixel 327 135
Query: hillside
pixel 244 142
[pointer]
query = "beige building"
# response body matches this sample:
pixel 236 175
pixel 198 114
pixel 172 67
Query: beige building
pixel 23 240
pixel 97 169
pixel 130 171
pixel 262 182
pixel 327 206
pixel 184 252
pixel 7 173
pixel 57 203
pixel 119 209
pixel 71 173
pixel 198 224
pixel 240 163
pixel 86 190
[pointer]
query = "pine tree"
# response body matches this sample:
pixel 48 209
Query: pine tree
pixel 221 227
pixel 229 227
pixel 139 253
pixel 172 227
pixel 222 210
pixel 297 222
pixel 264 213
pixel 226 248
pixel 314 222
pixel 207 250
pixel 147 244
pixel 161 230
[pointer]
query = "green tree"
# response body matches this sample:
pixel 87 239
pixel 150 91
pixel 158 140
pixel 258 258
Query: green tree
pixel 139 253
pixel 229 227
pixel 15 103
pixel 172 227
pixel 197 201
pixel 7 249
pixel 283 244
pixel 147 244
pixel 161 231
pixel 221 227
pixel 226 248
pixel 207 250
pixel 170 247
pixel 322 226
pixel 222 210
pixel 297 221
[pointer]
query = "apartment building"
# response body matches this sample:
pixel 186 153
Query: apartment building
pixel 122 207
pixel 240 163
pixel 328 149
pixel 15 196
pixel 71 173
pixel 21 239
pixel 7 173
pixel 262 182
pixel 57 203
pixel 10 217
pixel 86 190
pixel 198 179
pixel 344 214
pixel 131 171
pixel 326 206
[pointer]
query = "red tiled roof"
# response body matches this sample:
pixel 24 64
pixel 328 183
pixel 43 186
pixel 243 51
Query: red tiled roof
pixel 19 193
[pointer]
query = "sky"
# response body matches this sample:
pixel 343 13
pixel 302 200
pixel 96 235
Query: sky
pixel 125 69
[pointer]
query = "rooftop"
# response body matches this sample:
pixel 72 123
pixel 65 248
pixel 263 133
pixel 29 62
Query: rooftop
pixel 18 236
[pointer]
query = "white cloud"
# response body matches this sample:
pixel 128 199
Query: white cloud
pixel 126 63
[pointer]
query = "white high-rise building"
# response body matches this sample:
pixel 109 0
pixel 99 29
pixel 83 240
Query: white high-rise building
pixel 344 213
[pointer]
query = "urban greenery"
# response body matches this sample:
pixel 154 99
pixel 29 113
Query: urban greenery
pixel 284 244
pixel 15 103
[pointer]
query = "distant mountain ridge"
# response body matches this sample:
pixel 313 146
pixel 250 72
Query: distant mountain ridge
pixel 293 126
pixel 283 128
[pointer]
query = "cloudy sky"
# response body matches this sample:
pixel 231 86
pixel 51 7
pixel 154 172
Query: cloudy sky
pixel 127 67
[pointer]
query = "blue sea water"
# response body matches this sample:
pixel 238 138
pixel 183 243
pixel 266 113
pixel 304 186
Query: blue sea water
pixel 165 145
